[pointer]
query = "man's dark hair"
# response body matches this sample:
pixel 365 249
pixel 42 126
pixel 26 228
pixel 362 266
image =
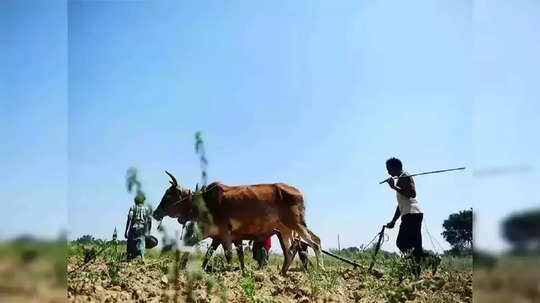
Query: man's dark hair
pixel 394 162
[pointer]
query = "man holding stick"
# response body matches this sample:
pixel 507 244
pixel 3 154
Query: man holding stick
pixel 409 239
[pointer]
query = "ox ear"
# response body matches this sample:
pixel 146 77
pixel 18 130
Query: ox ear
pixel 173 182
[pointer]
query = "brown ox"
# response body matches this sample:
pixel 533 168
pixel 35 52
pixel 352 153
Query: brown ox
pixel 244 213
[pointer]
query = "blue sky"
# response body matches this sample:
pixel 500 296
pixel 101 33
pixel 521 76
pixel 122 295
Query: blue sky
pixel 506 106
pixel 312 94
pixel 33 128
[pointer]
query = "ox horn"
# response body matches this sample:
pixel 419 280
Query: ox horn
pixel 174 182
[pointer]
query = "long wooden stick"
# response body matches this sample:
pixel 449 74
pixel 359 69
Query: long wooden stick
pixel 425 173
pixel 340 258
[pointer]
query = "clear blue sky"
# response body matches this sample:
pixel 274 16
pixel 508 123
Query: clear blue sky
pixel 33 124
pixel 312 94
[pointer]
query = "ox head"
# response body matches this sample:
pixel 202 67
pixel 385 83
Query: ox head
pixel 177 202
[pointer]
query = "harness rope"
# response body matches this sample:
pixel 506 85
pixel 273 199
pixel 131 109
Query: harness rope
pixel 197 193
pixel 431 238
pixel 385 239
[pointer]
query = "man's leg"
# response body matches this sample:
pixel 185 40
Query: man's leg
pixel 264 257
pixel 403 241
pixel 418 251
pixel 130 248
pixel 260 256
pixel 406 240
pixel 257 246
pixel 141 246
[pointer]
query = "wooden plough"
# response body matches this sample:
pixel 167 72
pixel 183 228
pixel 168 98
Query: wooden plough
pixel 356 265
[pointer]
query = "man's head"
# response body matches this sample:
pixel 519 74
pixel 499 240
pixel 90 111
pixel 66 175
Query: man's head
pixel 394 167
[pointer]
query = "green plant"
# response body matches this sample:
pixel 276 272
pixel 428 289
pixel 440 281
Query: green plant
pixel 194 275
pixel 248 286
pixel 29 254
pixel 113 271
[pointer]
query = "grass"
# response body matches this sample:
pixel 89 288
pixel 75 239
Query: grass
pixel 33 269
pixel 512 279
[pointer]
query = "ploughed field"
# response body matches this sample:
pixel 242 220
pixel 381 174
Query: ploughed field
pixel 33 272
pixel 162 279
pixel 508 279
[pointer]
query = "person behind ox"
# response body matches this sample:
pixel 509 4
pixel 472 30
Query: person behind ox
pixel 409 239
pixel 138 225
pixel 260 251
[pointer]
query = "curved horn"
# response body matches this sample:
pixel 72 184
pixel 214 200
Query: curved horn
pixel 175 183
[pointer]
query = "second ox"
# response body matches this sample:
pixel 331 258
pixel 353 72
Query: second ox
pixel 246 212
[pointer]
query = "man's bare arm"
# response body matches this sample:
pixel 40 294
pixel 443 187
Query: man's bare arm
pixel 404 186
pixel 396 216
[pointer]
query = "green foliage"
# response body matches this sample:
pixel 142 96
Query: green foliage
pixel 522 230
pixel 29 254
pixel 248 285
pixel 89 253
pixel 320 280
pixel 483 260
pixel 195 232
pixel 41 260
pixel 113 270
pixel 194 275
pixel 85 239
pixel 199 150
pixel 218 263
pixel 458 229
pixel 400 268
pixel 132 183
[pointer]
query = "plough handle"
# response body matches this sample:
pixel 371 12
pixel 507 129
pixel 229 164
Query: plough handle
pixel 377 247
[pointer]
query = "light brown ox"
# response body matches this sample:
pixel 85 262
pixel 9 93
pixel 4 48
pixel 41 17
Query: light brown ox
pixel 244 213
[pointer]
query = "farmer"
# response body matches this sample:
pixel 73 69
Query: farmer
pixel 409 239
pixel 138 225
pixel 260 251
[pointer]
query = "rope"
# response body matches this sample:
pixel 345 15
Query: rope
pixel 198 193
pixel 431 238
pixel 376 236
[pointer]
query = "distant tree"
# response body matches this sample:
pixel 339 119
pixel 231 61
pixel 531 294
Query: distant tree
pixel 522 230
pixel 458 230
pixel 352 249
pixel 483 259
pixel 85 239
pixel 25 238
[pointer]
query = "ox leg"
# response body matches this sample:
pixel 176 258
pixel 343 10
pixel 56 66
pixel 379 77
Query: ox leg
pixel 302 253
pixel 312 240
pixel 227 247
pixel 284 237
pixel 240 252
pixel 294 249
pixel 210 252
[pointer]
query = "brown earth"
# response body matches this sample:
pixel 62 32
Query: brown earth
pixel 137 282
